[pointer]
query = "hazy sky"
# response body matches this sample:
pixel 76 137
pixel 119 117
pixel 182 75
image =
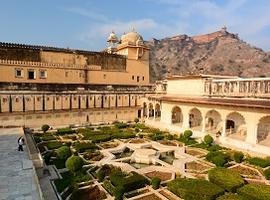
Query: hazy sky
pixel 85 24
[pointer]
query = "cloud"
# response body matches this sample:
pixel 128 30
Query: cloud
pixel 87 13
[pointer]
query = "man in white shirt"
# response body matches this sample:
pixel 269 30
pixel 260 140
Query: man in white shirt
pixel 20 143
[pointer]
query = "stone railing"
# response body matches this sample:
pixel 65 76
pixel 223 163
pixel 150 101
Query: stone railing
pixel 49 65
pixel 240 87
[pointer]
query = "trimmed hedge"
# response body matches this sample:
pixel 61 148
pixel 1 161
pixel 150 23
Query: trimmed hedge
pixel 74 163
pixel 259 162
pixel 225 178
pixel 108 186
pixel 63 131
pixel 82 146
pixel 231 197
pixel 255 192
pixel 127 183
pixel 218 158
pixel 54 145
pixel 194 189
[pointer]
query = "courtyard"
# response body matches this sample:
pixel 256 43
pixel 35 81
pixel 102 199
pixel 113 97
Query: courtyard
pixel 133 161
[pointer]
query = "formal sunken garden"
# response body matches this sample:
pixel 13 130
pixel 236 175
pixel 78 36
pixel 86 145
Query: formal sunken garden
pixel 133 161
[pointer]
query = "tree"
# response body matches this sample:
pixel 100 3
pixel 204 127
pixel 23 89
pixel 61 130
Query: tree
pixel 45 128
pixel 187 134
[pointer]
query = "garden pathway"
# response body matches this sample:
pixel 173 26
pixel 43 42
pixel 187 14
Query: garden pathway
pixel 17 180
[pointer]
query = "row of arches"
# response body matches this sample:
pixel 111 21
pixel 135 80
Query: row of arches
pixel 151 111
pixel 235 124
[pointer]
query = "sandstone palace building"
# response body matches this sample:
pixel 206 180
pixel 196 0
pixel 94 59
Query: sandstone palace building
pixel 63 86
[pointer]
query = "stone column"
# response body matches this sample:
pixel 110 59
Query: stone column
pixel 203 124
pixel 251 137
pixel 154 114
pixel 185 119
pixel 223 134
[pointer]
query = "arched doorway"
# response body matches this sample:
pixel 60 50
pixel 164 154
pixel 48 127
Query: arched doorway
pixel 263 131
pixel 195 119
pixel 157 111
pixel 177 117
pixel 213 122
pixel 236 126
pixel 150 110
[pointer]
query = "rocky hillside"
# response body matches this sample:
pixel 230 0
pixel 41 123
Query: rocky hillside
pixel 220 52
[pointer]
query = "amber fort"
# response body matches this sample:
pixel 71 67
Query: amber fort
pixel 101 108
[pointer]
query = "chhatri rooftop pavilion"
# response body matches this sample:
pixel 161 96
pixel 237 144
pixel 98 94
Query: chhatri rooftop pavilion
pixel 236 109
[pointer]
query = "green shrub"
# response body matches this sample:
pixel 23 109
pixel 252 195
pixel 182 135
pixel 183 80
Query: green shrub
pixel 187 141
pixel 169 137
pixel 47 157
pixel 230 196
pixel 208 139
pixel 48 137
pixel 137 130
pixel 155 182
pixel 123 135
pixel 63 152
pixel 37 139
pixel 45 128
pixel 121 125
pixel 255 192
pixel 82 146
pixel 226 178
pixel 157 136
pixel 74 163
pixel 63 131
pixel 218 158
pixel 238 156
pixel 100 175
pixel 127 182
pixel 267 173
pixel 214 147
pixel 188 133
pixel 259 162
pixel 194 189
pixel 54 145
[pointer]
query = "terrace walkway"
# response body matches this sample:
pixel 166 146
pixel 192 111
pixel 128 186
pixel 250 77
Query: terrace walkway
pixel 17 179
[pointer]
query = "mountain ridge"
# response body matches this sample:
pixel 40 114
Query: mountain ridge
pixel 220 52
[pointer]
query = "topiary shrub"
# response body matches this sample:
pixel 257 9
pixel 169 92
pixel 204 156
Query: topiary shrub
pixel 101 175
pixel 155 182
pixel 267 173
pixel 225 178
pixel 63 152
pixel 74 163
pixel 218 158
pixel 188 134
pixel 255 192
pixel 208 139
pixel 259 162
pixel 63 131
pixel 45 128
pixel 238 156
pixel 194 189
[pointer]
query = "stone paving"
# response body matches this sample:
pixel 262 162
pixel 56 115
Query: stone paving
pixel 17 180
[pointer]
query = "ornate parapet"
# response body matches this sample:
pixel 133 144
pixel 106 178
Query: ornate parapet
pixel 241 87
pixel 49 65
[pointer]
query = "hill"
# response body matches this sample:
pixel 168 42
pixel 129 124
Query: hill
pixel 220 52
